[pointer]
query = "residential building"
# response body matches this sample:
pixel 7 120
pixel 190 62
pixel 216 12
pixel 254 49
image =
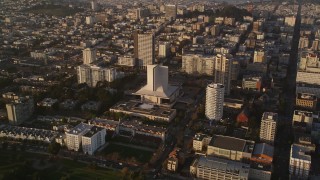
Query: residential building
pixel 144 49
pixel 252 83
pixel 200 142
pixel 173 161
pixel 214 101
pixel 126 61
pixel 86 136
pixel 290 20
pixel 74 136
pixel 223 71
pixel 92 74
pixel 93 139
pixel 305 100
pixel 19 109
pixel 171 11
pixel 198 64
pixel 216 168
pixel 16 132
pixel 303 117
pixel 89 55
pixel 164 49
pixel 215 30
pixel 259 56
pixel 94 5
pixel 300 161
pixel 268 127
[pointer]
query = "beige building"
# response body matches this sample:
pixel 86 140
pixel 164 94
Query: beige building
pixel 268 127
pixel 290 20
pixel 164 49
pixel 19 109
pixel 300 161
pixel 144 49
pixel 200 142
pixel 92 74
pixel 126 61
pixel 223 71
pixel 230 148
pixel 303 117
pixel 219 169
pixel 259 56
pixel 171 11
pixel 306 100
pixel 198 64
pixel 89 55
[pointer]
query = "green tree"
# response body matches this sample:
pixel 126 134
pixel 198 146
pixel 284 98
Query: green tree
pixel 54 148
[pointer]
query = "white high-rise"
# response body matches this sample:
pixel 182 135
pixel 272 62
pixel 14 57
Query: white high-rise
pixel 268 127
pixel 89 55
pixel 214 101
pixel 94 5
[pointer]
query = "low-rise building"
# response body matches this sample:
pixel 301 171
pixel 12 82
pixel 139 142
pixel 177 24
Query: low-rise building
pixel 304 117
pixel 216 168
pixel 143 110
pixel 200 143
pixel 230 148
pixel 305 100
pixel 252 83
pixel 16 132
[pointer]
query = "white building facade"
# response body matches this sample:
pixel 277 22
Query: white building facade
pixel 214 101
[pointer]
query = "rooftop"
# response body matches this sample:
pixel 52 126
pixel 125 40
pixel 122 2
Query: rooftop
pixel 79 129
pixel 270 116
pixel 224 165
pixel 299 152
pixel 92 131
pixel 307 96
pixel 144 108
pixel 263 148
pixel 230 143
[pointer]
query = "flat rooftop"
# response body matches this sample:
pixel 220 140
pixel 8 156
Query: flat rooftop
pixel 299 152
pixel 144 108
pixel 79 129
pixel 270 116
pixel 307 96
pixel 224 165
pixel 263 148
pixel 93 130
pixel 163 94
pixel 227 142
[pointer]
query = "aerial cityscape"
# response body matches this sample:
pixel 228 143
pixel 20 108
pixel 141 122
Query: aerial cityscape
pixel 159 89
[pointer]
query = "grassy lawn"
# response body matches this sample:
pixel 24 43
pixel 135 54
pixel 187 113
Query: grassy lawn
pixel 28 165
pixel 125 152
pixel 53 10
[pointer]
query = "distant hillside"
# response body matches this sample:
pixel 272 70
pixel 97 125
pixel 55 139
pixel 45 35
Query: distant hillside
pixel 227 11
pixel 53 10
pixel 232 11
